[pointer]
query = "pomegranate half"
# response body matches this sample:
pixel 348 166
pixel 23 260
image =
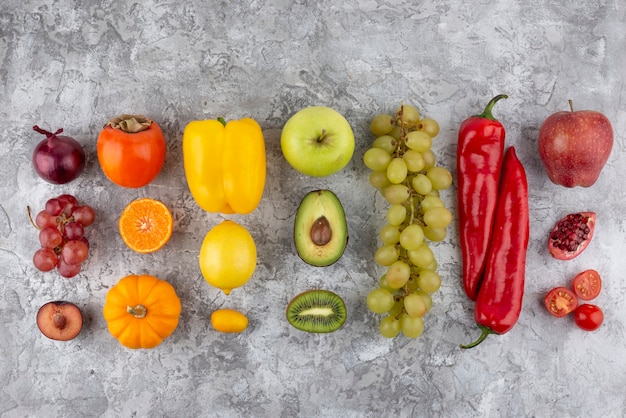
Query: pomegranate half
pixel 571 235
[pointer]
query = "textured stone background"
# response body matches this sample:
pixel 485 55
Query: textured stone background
pixel 74 64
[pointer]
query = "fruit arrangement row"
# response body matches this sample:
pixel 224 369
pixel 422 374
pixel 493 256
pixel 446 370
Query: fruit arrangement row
pixel 225 170
pixel 494 213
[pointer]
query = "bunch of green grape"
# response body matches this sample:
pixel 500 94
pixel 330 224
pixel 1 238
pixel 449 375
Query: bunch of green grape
pixel 404 170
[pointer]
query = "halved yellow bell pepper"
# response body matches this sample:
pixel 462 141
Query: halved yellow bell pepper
pixel 225 164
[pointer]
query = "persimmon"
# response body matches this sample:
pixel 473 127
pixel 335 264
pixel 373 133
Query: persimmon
pixel 131 150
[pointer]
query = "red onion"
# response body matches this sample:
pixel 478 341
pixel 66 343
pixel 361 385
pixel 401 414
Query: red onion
pixel 58 159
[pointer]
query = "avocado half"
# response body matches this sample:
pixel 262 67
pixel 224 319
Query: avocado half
pixel 320 229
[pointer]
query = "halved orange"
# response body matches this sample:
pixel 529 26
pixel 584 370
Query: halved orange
pixel 146 225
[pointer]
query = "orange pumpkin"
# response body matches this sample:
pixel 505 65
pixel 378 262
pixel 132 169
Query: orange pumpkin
pixel 141 311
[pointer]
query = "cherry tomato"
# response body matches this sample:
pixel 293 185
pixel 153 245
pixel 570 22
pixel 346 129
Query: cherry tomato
pixel 588 317
pixel 560 301
pixel 587 284
pixel 131 154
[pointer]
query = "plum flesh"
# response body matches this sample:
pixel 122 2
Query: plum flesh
pixel 60 320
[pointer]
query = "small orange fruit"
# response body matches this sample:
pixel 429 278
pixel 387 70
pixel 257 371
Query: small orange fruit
pixel 146 225
pixel 229 320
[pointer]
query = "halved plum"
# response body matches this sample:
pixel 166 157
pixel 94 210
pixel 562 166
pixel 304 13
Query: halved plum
pixel 60 320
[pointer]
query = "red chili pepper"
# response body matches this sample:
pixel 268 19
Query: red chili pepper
pixel 480 149
pixel 499 301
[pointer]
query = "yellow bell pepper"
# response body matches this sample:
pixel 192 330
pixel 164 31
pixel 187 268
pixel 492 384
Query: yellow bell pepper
pixel 225 164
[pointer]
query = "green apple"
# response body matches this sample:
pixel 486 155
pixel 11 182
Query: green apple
pixel 317 141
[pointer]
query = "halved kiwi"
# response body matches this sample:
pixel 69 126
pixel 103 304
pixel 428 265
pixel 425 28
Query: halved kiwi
pixel 317 311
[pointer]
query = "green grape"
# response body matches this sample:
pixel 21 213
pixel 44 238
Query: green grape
pixel 435 234
pixel 414 305
pixel 429 202
pixel 380 300
pixel 412 327
pixel 419 141
pixel 404 170
pixel 376 159
pixel 422 256
pixel 432 266
pixel 429 281
pixel 389 234
pixel 382 283
pixel 412 237
pixel 398 274
pixel 396 214
pixel 386 255
pixel 414 160
pixel 397 170
pixel 389 327
pixel 381 124
pixel 429 158
pixel 428 300
pixel 434 193
pixel 379 180
pixel 398 307
pixel 411 285
pixel 440 177
pixel 396 194
pixel 396 133
pixel 386 142
pixel 438 217
pixel 409 115
pixel 430 126
pixel 421 184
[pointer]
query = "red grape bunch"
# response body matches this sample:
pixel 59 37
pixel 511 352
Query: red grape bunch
pixel 62 235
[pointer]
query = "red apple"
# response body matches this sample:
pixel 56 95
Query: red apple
pixel 574 146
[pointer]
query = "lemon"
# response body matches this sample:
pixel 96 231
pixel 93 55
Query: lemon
pixel 227 256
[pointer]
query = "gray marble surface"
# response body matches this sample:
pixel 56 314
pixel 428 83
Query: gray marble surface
pixel 74 64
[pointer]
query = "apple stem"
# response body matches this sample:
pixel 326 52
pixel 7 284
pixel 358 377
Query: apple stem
pixel 322 136
pixel 571 104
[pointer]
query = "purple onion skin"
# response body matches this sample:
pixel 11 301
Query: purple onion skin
pixel 58 159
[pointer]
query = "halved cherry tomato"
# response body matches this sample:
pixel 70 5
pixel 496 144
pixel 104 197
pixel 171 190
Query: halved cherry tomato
pixel 560 301
pixel 587 284
pixel 588 317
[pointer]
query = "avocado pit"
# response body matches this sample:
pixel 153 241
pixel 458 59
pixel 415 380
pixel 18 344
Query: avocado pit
pixel 321 232
pixel 320 228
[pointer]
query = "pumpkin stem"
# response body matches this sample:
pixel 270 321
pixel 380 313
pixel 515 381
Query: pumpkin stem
pixel 138 311
pixel 131 124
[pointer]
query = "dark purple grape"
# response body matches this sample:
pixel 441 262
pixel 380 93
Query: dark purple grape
pixel 50 237
pixel 68 202
pixel 84 214
pixel 67 270
pixel 45 259
pixel 73 230
pixel 44 219
pixel 54 206
pixel 74 252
